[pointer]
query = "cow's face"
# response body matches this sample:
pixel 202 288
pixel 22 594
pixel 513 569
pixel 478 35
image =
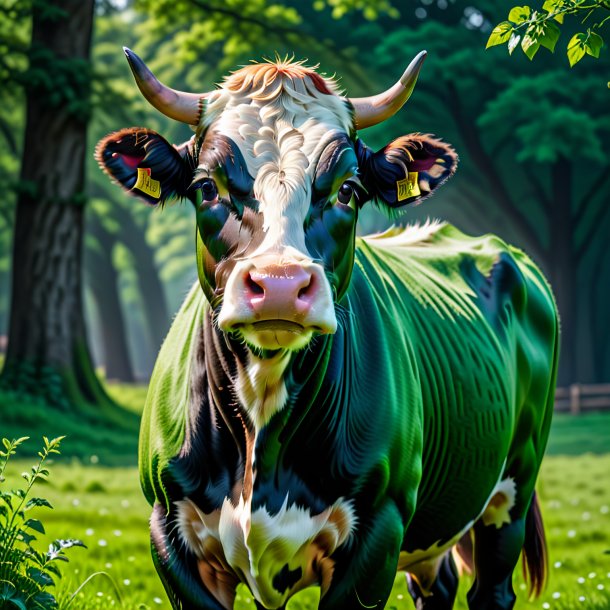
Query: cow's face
pixel 277 175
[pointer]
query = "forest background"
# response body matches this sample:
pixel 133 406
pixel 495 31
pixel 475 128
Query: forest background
pixel 90 277
pixel 532 139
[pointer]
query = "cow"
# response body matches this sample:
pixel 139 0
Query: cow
pixel 329 409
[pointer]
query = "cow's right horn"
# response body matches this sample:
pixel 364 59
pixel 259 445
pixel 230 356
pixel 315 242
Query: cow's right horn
pixel 177 105
pixel 369 111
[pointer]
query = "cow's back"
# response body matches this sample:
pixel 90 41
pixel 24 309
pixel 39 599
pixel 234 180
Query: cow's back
pixel 480 321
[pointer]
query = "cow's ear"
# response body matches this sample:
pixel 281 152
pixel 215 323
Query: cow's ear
pixel 146 165
pixel 407 170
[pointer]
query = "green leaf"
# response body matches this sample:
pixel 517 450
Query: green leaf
pixel 44 599
pixel 7 498
pixel 41 577
pixel 35 525
pixel 530 46
pixel 26 538
pixel 8 593
pixel 500 34
pixel 553 5
pixel 550 35
pixel 519 14
pixel 576 48
pixel 37 502
pixel 53 569
pixel 594 44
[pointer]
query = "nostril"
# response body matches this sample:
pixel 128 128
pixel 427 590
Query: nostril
pixel 306 290
pixel 252 285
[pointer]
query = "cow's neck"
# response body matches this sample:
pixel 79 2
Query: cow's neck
pixel 260 386
pixel 263 386
pixel 313 425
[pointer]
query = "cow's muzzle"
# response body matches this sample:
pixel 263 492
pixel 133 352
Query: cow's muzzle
pixel 277 304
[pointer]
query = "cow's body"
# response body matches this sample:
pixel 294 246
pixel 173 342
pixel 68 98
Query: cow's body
pixel 328 410
pixel 435 393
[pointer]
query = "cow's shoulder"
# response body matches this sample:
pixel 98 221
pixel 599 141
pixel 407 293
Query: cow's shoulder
pixel 165 416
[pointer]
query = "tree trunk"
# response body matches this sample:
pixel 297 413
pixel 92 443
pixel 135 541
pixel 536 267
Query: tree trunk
pixel 563 263
pixel 103 280
pixel 151 288
pixel 47 353
pixel 154 301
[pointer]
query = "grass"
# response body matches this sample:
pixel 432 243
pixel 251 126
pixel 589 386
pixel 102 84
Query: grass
pixel 93 436
pixel 103 506
pixel 101 503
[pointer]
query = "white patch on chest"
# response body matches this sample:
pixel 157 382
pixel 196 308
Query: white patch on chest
pixel 258 545
pixel 260 386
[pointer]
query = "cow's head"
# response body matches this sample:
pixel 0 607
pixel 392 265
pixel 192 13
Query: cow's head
pixel 277 174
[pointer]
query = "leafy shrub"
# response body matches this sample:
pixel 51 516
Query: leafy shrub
pixel 27 574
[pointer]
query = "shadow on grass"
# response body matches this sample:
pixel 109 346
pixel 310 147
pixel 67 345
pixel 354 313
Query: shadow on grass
pixel 106 436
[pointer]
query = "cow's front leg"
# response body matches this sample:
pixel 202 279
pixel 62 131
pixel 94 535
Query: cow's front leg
pixel 364 571
pixel 179 570
pixel 433 585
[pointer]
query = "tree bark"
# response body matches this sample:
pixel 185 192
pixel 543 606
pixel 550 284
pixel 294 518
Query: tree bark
pixel 563 271
pixel 154 301
pixel 47 352
pixel 103 280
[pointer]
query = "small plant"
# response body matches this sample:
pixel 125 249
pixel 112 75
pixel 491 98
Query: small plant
pixel 26 574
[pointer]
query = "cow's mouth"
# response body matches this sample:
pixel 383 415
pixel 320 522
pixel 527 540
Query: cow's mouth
pixel 276 334
pixel 278 325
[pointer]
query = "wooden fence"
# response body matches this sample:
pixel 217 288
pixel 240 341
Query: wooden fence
pixel 580 397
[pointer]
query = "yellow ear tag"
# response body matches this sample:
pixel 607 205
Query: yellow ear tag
pixel 408 187
pixel 146 184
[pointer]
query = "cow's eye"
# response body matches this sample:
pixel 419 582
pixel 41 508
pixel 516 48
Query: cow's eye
pixel 345 194
pixel 209 190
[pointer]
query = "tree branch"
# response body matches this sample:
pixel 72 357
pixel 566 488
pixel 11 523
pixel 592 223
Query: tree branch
pixel 237 16
pixel 283 32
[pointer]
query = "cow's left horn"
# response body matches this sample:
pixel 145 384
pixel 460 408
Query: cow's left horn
pixel 375 109
pixel 177 105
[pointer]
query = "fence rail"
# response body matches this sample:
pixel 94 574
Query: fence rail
pixel 581 397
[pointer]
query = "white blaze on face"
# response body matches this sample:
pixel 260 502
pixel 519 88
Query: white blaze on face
pixel 277 117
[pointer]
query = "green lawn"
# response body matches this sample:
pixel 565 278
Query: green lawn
pixel 102 504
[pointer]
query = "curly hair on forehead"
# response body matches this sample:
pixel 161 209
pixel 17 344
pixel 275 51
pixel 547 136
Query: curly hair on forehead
pixel 261 79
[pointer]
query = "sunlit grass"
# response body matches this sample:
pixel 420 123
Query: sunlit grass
pixel 104 507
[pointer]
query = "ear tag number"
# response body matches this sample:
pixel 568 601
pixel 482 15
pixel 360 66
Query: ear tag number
pixel 408 187
pixel 146 184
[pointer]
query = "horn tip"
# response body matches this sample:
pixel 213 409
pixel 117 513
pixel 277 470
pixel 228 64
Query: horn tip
pixel 410 75
pixel 131 57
